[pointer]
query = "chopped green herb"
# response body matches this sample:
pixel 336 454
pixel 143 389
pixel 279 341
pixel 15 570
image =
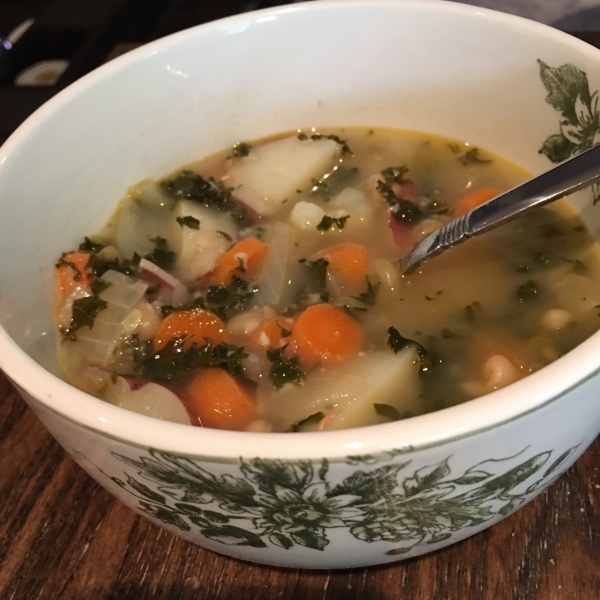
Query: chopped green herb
pixel 61 262
pixel 327 222
pixel 370 296
pixel 396 341
pixel 396 174
pixel 283 370
pixel 91 246
pixel 228 357
pixel 161 256
pixel 85 310
pixel 284 332
pixel 227 301
pixel 388 411
pixel 178 358
pixel 225 235
pixel 189 221
pixel 448 334
pixel 208 192
pixel 455 148
pixel 175 360
pixel 528 291
pixel 319 269
pixel 321 136
pixel 471 157
pixel 241 149
pixel 579 267
pixel 472 311
pixel 98 285
pixel 310 420
pixel 224 301
pixel 403 210
pixel 550 231
pixel 99 265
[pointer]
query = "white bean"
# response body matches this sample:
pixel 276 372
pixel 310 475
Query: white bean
pixel 499 372
pixel 556 319
pixel 259 426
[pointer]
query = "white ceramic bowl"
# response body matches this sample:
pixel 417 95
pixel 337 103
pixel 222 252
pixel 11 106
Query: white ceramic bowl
pixel 342 499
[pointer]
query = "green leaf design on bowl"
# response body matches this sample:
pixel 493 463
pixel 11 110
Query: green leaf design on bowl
pixel 568 92
pixel 287 504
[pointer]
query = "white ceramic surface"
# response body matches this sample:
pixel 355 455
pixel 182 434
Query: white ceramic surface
pixel 340 499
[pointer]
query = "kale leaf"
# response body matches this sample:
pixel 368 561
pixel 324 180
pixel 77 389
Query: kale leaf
pixel 471 157
pixel 283 370
pixel 321 136
pixel 188 185
pixel 189 221
pixel 427 359
pixel 85 310
pixel 327 222
pixel 310 420
pixel 179 358
pixel 161 256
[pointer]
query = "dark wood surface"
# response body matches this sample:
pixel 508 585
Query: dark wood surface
pixel 63 536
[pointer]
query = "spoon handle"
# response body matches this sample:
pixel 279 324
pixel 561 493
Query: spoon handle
pixel 568 177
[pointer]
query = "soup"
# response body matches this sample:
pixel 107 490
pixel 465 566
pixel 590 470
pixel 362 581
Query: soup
pixel 259 289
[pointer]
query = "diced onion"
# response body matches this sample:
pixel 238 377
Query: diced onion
pixel 98 344
pixel 275 280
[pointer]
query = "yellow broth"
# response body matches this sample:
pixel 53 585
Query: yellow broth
pixel 474 319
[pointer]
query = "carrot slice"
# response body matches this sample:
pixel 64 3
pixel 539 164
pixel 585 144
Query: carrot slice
pixel 198 323
pixel 327 334
pixel 244 260
pixel 348 262
pixel 474 199
pixel 271 332
pixel 65 274
pixel 220 401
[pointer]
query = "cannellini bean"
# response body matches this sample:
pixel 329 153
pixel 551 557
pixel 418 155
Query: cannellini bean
pixel 306 215
pixel 149 320
pixel 556 319
pixel 499 372
pixel 259 426
pixel 383 271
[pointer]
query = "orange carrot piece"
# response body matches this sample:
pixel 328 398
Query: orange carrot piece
pixel 347 262
pixel 327 334
pixel 245 260
pixel 474 199
pixel 270 333
pixel 65 274
pixel 220 401
pixel 198 323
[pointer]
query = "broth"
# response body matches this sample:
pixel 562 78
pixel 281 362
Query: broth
pixel 259 289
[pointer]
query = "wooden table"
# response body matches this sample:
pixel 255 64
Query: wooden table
pixel 62 536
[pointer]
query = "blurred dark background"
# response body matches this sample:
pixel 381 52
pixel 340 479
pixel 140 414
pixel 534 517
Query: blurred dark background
pixel 71 37
pixel 61 40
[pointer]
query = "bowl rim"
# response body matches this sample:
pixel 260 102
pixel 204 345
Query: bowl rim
pixel 477 416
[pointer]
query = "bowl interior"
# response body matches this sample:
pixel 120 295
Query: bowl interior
pixel 436 67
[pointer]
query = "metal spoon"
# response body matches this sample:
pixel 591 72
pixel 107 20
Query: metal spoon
pixel 568 177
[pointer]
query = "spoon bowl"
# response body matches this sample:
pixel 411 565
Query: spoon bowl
pixel 570 176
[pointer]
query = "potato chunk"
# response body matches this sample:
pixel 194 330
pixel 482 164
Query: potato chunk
pixel 273 172
pixel 348 395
